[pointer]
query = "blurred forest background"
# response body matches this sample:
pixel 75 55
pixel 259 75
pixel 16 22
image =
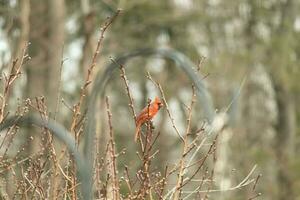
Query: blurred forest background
pixel 251 50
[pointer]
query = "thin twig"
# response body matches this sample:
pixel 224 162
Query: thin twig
pixel 256 181
pixel 88 78
pixel 166 105
pixel 126 82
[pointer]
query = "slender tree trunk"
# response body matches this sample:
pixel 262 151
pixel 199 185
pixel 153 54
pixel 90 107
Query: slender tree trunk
pixel 89 40
pixel 24 28
pixel 46 37
pixel 36 70
pixel 286 128
pixel 284 38
pixel 56 39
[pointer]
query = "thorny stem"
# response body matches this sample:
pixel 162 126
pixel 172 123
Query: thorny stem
pixel 164 182
pixel 43 114
pixel 113 168
pixel 14 73
pixel 128 181
pixel 131 100
pixel 185 149
pixel 42 110
pixel 200 63
pixel 126 82
pixel 77 107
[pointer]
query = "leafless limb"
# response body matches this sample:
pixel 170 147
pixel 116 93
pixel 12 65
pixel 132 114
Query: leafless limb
pixel 166 104
pixel 88 78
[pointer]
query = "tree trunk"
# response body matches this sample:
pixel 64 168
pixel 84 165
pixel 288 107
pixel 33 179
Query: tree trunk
pixel 258 119
pixel 46 37
pixel 286 128
pixel 56 39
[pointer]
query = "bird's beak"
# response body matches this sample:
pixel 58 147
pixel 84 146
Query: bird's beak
pixel 161 105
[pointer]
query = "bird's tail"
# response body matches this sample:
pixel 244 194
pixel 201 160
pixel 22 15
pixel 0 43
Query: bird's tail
pixel 137 132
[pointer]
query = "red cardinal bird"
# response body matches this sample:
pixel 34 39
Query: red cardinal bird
pixel 144 116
